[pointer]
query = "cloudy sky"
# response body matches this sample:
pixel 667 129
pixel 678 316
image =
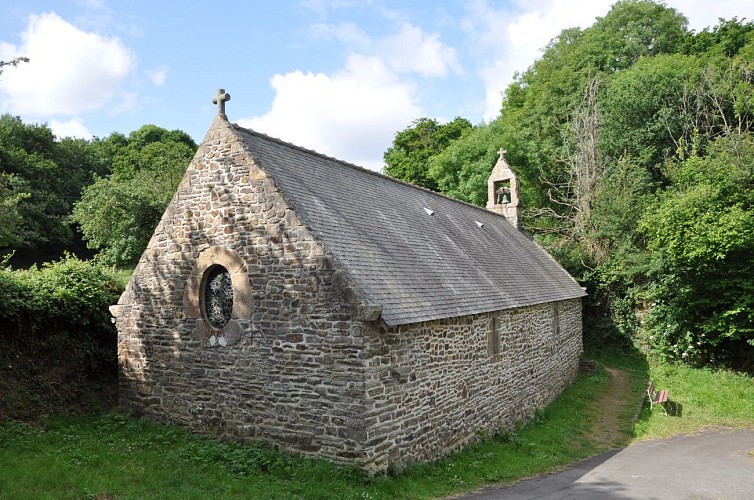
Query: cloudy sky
pixel 337 76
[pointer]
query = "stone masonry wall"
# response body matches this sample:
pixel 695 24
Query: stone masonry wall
pixel 288 366
pixel 431 387
pixel 302 362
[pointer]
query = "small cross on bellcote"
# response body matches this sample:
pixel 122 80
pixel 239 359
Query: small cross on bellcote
pixel 502 153
pixel 220 99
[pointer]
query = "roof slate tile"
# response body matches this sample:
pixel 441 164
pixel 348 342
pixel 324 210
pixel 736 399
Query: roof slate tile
pixel 417 266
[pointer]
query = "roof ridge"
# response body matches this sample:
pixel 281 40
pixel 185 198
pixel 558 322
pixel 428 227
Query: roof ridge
pixel 364 169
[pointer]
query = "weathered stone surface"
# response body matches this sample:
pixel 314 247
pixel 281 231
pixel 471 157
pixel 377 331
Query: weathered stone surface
pixel 304 361
pixel 432 387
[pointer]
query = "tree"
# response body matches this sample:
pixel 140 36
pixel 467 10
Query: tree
pixel 700 231
pixel 648 110
pixel 631 30
pixel 118 213
pixel 13 62
pixel 52 174
pixel 408 158
pixel 10 217
pixel 462 169
pixel 28 153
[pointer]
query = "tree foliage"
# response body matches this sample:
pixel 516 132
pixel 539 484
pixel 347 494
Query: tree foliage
pixel 408 158
pixel 117 214
pixel 700 231
pixel 10 217
pixel 33 157
pixel 118 185
pixel 632 141
pixel 13 62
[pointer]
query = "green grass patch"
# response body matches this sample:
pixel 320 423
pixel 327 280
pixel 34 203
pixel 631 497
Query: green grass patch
pixel 699 399
pixel 115 456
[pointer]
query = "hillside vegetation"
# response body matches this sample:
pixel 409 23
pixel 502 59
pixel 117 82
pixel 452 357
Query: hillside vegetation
pixel 634 145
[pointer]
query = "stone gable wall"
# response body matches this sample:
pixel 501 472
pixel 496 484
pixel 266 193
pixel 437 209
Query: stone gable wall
pixel 432 387
pixel 303 363
pixel 287 368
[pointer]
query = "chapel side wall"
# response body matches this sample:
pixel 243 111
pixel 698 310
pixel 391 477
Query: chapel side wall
pixel 292 372
pixel 432 387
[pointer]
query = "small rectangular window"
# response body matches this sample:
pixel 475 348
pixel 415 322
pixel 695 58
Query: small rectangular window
pixel 556 319
pixel 493 339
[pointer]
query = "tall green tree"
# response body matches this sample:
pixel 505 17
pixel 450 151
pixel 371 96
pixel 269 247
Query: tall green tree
pixel 117 214
pixel 462 169
pixel 408 158
pixel 701 234
pixel 648 109
pixel 10 217
pixel 28 153
pixel 51 173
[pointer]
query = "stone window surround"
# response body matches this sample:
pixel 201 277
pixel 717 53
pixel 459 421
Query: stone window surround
pixel 194 296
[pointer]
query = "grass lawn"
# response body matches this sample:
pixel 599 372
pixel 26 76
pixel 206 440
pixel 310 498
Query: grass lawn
pixel 699 399
pixel 111 455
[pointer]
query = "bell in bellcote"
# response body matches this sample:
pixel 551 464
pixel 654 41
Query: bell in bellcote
pixel 503 195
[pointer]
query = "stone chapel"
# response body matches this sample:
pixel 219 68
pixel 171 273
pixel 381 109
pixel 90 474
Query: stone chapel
pixel 335 312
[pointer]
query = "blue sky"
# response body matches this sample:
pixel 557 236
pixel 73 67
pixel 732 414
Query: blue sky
pixel 337 76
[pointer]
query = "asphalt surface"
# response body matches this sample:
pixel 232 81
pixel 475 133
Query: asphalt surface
pixel 711 465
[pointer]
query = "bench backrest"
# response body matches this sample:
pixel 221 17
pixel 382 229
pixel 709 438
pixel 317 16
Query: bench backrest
pixel 651 388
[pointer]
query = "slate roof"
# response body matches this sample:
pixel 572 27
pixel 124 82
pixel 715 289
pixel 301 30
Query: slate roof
pixel 417 266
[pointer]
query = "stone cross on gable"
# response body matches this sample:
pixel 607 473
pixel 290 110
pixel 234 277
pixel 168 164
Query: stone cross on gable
pixel 220 100
pixel 502 152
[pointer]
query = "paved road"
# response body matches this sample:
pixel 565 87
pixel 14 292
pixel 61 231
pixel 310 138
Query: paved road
pixel 711 465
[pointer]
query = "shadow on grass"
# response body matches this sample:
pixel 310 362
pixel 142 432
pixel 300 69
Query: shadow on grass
pixel 674 409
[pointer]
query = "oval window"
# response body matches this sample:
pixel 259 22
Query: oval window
pixel 218 296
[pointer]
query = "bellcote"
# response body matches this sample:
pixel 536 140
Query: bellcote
pixel 502 191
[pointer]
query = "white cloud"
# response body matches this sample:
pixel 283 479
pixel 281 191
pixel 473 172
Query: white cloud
pixel 410 50
pixel 351 114
pixel 157 75
pixel 70 128
pixel 702 14
pixel 516 38
pixel 70 71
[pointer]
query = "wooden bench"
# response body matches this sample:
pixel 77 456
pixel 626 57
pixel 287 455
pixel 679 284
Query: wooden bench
pixel 657 397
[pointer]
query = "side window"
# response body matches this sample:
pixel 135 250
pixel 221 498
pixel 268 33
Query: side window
pixel 493 339
pixel 556 319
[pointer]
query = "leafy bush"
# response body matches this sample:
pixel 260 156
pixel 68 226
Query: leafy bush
pixel 700 231
pixel 56 331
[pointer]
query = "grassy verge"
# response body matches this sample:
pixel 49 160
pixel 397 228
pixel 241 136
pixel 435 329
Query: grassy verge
pixel 114 456
pixel 699 399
